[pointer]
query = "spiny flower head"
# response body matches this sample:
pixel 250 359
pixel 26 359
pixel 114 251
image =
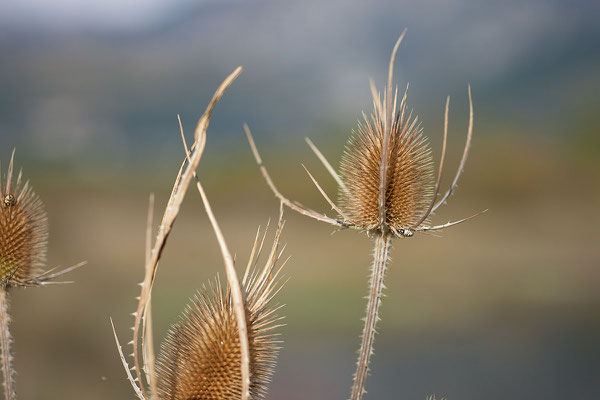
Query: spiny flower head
pixel 386 180
pixel 201 356
pixel 23 231
pixel 410 182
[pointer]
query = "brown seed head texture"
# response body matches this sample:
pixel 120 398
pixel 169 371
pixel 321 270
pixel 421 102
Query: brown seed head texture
pixel 23 231
pixel 410 180
pixel 200 358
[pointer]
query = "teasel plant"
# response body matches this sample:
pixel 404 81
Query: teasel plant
pixel 225 344
pixel 387 189
pixel 23 248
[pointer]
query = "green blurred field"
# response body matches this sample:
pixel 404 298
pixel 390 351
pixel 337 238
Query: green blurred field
pixel 511 296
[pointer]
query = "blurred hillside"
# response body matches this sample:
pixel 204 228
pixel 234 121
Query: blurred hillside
pixel 107 81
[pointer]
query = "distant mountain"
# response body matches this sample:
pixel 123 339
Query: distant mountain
pixel 115 77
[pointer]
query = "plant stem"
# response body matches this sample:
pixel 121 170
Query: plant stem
pixel 7 369
pixel 380 259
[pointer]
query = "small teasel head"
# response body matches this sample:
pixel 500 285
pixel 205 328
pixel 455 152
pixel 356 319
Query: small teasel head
pixel 23 231
pixel 387 182
pixel 409 183
pixel 200 357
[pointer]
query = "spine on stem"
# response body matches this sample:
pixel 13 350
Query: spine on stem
pixel 380 259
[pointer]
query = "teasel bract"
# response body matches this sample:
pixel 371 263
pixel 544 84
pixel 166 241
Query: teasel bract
pixel 23 246
pixel 386 189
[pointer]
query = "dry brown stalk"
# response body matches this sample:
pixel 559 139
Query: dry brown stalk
pixel 386 189
pixel 148 332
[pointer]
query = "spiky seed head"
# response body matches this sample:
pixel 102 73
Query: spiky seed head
pixel 23 231
pixel 201 356
pixel 410 178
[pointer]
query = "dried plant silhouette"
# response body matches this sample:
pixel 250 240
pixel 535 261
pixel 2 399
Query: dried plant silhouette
pixel 23 245
pixel 386 189
pixel 201 355
pixel 224 345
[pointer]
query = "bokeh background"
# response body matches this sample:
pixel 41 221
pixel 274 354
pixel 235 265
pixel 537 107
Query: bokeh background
pixel 506 306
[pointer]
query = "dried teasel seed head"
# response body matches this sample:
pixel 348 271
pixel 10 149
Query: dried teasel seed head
pixel 410 178
pixel 23 231
pixel 201 356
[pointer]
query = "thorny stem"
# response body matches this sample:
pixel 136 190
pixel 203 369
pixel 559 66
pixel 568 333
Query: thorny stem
pixel 7 369
pixel 148 332
pixel 383 242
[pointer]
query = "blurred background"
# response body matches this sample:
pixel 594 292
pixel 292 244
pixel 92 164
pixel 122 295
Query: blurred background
pixel 505 306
